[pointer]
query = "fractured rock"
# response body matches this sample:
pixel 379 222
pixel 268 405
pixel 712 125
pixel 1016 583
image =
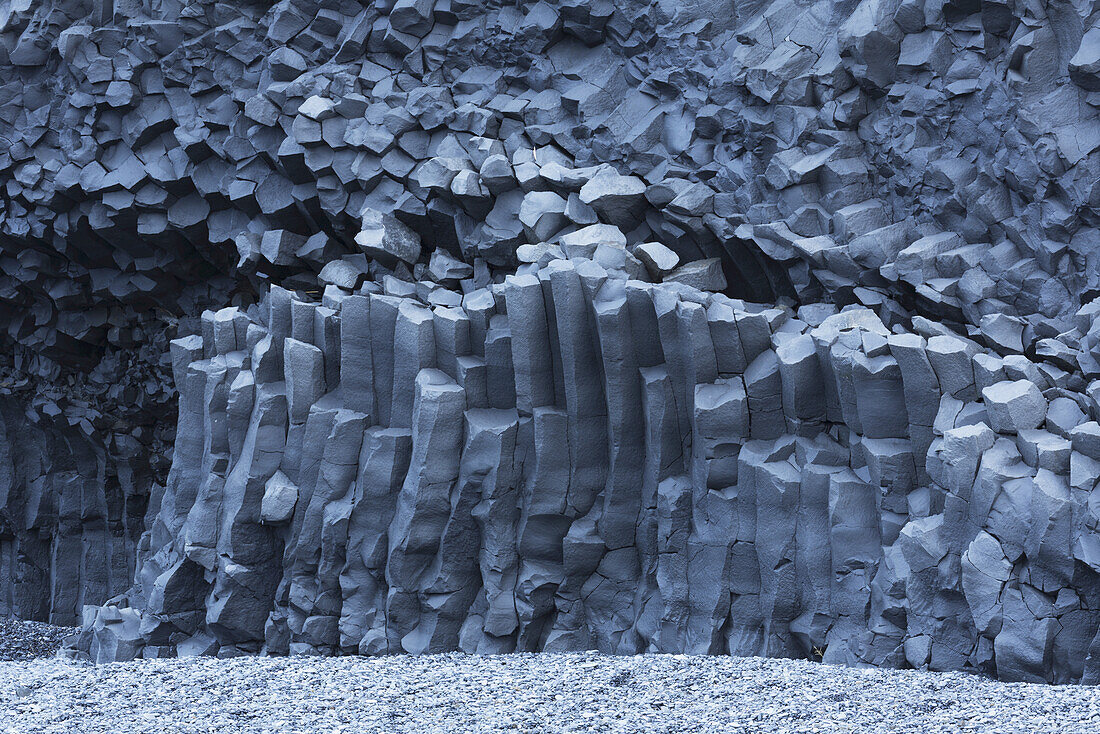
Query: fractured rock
pixel 1013 406
pixel 385 238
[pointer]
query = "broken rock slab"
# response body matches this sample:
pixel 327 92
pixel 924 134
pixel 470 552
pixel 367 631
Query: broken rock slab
pixel 1013 406
pixel 705 275
pixel 658 259
pixel 386 239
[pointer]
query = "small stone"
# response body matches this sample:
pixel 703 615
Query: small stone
pixel 657 258
pixel 280 498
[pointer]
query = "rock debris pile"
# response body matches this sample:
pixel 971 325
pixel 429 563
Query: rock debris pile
pixel 725 327
pixel 23 641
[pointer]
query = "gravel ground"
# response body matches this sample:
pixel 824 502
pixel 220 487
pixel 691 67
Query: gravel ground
pixel 526 693
pixel 21 640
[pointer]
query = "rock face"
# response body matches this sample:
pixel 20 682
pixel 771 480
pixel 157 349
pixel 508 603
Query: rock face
pixel 750 328
pixel 571 459
pixel 74 517
pixel 83 459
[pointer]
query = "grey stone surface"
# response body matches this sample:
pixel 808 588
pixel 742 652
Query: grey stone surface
pixel 702 274
pixel 762 329
pixel 637 493
pixel 1014 406
pixel 385 238
pixel 657 258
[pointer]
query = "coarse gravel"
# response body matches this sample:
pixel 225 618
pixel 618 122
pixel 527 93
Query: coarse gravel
pixel 521 693
pixel 22 640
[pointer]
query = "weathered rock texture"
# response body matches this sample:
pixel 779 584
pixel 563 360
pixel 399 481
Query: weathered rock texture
pixel 79 459
pixel 572 460
pixel 479 375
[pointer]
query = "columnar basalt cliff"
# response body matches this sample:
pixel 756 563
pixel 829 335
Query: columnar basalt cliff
pixel 572 460
pixel 717 327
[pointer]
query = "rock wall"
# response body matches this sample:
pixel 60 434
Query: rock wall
pixel 80 459
pixel 68 532
pixel 481 370
pixel 572 460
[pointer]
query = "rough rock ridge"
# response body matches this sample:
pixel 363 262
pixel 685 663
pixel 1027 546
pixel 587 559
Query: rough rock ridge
pixel 483 369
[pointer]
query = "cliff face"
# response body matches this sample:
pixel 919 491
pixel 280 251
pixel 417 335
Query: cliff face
pixel 572 460
pixel 69 535
pixel 81 456
pixel 760 327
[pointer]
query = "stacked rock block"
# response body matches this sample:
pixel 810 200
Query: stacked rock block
pixel 572 459
pixel 153 145
pixel 152 156
pixel 912 148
